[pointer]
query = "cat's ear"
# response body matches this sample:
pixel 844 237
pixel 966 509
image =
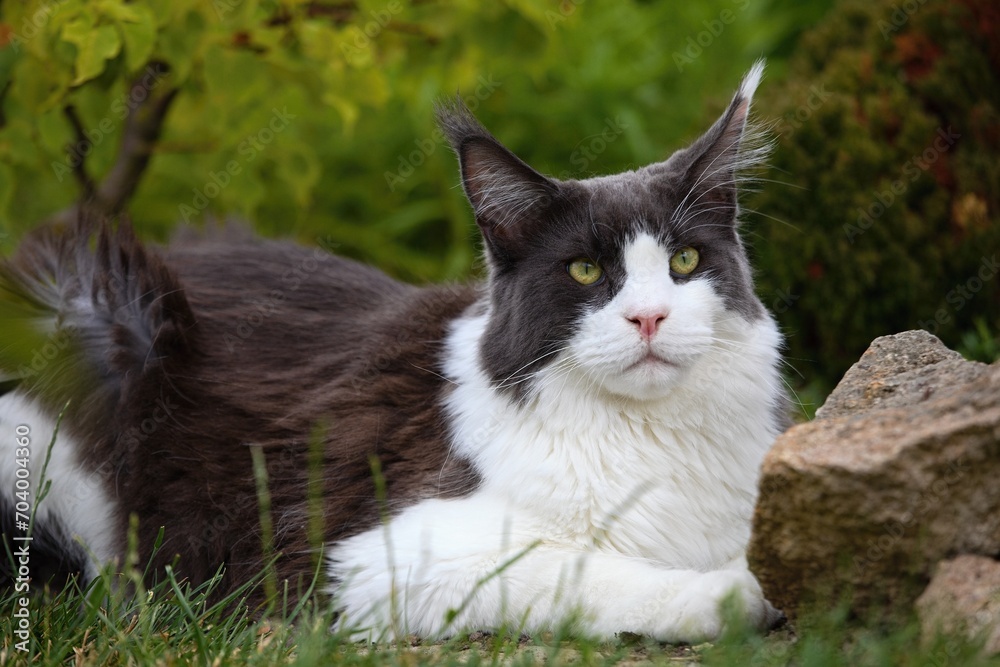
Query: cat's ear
pixel 508 197
pixel 709 167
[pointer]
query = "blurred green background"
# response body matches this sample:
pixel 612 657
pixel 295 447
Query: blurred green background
pixel 314 120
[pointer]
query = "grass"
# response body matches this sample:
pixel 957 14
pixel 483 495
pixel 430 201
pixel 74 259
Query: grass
pixel 116 620
pixel 173 624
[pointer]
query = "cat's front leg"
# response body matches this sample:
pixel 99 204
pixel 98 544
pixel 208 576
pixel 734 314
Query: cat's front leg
pixel 697 610
pixel 446 566
pixel 614 593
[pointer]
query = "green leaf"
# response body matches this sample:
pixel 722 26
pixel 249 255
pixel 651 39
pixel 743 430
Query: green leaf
pixel 53 132
pixel 138 30
pixel 233 74
pixel 178 44
pixel 348 111
pixel 300 170
pixel 8 56
pixel 16 145
pixel 6 195
pixel 94 47
pixel 38 85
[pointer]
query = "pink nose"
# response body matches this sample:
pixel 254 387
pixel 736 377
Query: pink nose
pixel 647 323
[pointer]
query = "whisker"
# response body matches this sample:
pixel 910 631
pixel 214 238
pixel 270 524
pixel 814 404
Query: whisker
pixel 506 382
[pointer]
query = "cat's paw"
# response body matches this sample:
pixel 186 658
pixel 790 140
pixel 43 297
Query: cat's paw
pixel 698 612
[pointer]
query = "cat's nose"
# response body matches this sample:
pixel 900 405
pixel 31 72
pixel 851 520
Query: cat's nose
pixel 647 323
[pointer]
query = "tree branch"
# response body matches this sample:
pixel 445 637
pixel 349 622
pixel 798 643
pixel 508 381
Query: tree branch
pixel 147 109
pixel 76 152
pixel 142 129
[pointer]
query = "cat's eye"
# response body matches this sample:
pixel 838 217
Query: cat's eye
pixel 684 261
pixel 585 271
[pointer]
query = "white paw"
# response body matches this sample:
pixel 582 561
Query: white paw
pixel 696 613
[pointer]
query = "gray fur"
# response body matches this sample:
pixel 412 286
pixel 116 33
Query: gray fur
pixel 534 226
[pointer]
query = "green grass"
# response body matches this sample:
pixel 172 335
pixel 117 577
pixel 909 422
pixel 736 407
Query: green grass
pixel 116 620
pixel 173 624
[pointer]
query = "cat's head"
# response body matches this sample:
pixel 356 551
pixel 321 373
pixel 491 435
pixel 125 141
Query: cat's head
pixel 625 278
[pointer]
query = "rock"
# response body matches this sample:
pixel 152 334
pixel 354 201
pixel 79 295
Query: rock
pixel 963 597
pixel 897 472
pixel 896 371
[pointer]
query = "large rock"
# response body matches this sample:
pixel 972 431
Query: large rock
pixel 963 598
pixel 898 471
pixel 899 371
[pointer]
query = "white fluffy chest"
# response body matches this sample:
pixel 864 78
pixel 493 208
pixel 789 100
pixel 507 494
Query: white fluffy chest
pixel 672 480
pixel 648 490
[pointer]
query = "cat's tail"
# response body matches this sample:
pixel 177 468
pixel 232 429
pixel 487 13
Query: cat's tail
pixel 90 315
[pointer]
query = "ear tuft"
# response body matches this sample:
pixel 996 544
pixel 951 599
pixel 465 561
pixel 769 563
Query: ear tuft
pixel 711 166
pixel 507 195
pixel 751 80
pixel 458 123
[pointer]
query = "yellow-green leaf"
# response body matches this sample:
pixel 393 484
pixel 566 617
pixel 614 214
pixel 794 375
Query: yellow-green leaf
pixel 139 34
pixel 300 170
pixel 6 195
pixel 178 44
pixel 94 47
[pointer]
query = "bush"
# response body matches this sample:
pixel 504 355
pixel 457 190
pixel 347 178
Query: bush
pixel 889 137
pixel 349 87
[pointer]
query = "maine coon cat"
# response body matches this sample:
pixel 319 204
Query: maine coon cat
pixel 576 439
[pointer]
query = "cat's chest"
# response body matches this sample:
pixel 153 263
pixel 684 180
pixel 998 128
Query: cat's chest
pixel 641 483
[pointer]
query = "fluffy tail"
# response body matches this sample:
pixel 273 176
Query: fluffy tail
pixel 90 314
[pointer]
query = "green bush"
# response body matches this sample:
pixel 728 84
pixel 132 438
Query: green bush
pixel 889 138
pixel 351 85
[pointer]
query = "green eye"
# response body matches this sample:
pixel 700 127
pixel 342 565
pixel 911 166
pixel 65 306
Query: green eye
pixel 584 271
pixel 684 261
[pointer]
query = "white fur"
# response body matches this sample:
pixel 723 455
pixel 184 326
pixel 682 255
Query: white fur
pixel 620 496
pixel 752 79
pixel 76 500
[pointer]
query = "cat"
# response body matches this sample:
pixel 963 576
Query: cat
pixel 575 440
